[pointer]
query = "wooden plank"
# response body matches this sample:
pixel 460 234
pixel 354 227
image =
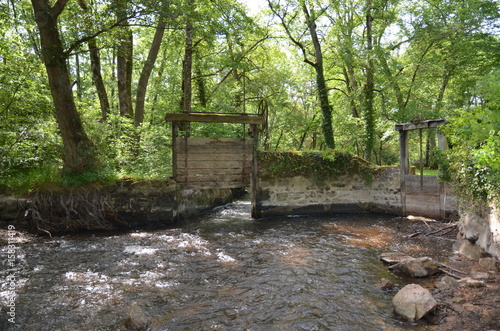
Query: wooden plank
pixel 420 125
pixel 219 142
pixel 214 185
pixel 221 179
pixel 214 162
pixel 216 157
pixel 215 172
pixel 211 150
pixel 211 165
pixel 215 118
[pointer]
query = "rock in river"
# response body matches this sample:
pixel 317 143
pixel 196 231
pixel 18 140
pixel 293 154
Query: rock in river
pixel 413 302
pixel 419 267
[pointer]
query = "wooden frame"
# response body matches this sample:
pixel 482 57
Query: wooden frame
pixel 405 162
pixel 214 162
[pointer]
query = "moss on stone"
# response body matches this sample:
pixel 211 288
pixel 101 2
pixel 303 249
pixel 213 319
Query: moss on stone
pixel 317 165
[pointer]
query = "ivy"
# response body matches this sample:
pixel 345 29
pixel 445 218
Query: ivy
pixel 472 165
pixel 319 165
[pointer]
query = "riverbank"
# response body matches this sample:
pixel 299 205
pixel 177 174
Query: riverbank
pixel 462 305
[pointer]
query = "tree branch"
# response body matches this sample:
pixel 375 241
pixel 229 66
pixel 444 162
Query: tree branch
pixel 94 35
pixel 58 7
pixel 289 34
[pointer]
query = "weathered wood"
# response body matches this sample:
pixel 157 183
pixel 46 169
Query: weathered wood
pixel 212 185
pixel 213 150
pixel 214 178
pixel 215 172
pixel 420 125
pixel 214 162
pixel 215 118
pixel 216 157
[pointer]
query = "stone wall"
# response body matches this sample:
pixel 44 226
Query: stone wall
pixel 482 228
pixel 350 192
pixel 127 204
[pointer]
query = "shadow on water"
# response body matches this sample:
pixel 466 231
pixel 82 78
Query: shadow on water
pixel 222 271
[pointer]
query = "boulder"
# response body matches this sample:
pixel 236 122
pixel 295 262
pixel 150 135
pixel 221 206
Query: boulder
pixel 417 267
pixel 138 319
pixel 413 302
pixel 466 248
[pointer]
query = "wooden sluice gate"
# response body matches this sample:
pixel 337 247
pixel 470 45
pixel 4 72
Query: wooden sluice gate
pixel 424 195
pixel 214 162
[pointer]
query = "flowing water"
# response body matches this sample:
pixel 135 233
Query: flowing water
pixel 222 271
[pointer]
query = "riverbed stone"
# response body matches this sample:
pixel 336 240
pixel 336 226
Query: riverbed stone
pixel 489 263
pixel 468 249
pixel 417 267
pixel 385 285
pixel 413 302
pixel 137 318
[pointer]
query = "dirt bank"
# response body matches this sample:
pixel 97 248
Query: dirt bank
pixel 462 305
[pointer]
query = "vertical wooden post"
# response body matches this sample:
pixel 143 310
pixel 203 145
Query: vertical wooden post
pixel 175 134
pixel 404 166
pixel 421 165
pixel 254 183
pixel 443 145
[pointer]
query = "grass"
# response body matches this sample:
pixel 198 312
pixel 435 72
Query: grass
pixel 428 172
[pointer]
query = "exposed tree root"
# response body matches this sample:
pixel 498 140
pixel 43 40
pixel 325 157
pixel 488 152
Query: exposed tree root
pixel 74 209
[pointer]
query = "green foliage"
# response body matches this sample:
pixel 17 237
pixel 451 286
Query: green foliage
pixel 428 58
pixel 473 164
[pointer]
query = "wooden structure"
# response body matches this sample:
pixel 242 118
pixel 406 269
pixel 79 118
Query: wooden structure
pixel 214 162
pixel 422 195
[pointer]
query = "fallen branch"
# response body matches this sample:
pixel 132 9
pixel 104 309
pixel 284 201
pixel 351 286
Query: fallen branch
pixel 453 269
pixel 450 274
pixel 437 231
pixel 413 235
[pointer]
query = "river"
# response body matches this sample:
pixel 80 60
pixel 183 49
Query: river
pixel 220 271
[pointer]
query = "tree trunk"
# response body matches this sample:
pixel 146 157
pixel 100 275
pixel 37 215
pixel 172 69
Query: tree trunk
pixel 187 65
pixel 78 153
pixel 146 71
pixel 95 64
pixel 369 86
pixel 326 109
pixel 124 63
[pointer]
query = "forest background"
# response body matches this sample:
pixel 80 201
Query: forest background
pixel 85 84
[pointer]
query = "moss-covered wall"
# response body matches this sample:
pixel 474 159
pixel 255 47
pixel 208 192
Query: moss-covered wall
pixel 324 182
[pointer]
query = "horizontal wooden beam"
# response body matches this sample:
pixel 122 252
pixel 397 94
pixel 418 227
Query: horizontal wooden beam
pixel 215 118
pixel 420 125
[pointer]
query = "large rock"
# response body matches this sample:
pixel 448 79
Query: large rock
pixel 417 267
pixel 138 319
pixel 413 302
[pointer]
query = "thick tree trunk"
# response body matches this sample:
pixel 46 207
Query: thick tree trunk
pixel 78 149
pixel 146 71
